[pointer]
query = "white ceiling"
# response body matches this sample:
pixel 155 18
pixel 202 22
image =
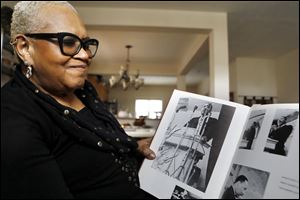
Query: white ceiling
pixel 156 53
pixel 256 28
pixel 264 29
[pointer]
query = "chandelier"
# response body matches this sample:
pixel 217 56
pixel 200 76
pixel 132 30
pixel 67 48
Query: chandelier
pixel 125 79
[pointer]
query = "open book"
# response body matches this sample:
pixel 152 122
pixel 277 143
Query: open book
pixel 211 148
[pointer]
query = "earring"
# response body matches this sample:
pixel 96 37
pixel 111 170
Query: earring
pixel 28 72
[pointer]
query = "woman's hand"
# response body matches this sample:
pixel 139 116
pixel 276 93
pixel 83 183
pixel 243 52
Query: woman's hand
pixel 144 149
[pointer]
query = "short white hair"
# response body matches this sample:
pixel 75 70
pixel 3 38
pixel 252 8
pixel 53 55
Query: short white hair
pixel 25 18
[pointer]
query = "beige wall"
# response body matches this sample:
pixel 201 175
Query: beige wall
pixel 254 77
pixel 192 88
pixel 266 77
pixel 203 87
pixel 126 99
pixel 287 67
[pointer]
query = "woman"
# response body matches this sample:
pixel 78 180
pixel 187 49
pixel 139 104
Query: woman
pixel 57 139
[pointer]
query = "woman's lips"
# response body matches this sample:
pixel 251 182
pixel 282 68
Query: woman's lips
pixel 79 68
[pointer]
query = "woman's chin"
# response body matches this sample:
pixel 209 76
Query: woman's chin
pixel 77 83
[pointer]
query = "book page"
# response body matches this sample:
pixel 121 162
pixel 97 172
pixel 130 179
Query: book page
pixel 268 155
pixel 195 143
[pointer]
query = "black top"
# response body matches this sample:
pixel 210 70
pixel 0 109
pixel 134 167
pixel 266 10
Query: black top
pixel 52 151
pixel 229 193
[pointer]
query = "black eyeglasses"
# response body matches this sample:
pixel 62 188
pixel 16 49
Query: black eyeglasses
pixel 69 44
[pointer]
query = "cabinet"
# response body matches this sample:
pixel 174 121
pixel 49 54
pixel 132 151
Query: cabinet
pixel 103 92
pixel 100 87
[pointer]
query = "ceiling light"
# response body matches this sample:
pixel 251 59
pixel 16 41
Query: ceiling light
pixel 124 79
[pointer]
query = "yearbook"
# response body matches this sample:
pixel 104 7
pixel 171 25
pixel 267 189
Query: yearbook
pixel 211 148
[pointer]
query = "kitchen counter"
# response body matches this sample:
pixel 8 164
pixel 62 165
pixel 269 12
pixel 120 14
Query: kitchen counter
pixel 148 130
pixel 138 132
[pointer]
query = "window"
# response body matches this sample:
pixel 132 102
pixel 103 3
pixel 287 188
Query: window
pixel 151 108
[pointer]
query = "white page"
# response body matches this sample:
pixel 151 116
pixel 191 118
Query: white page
pixel 173 171
pixel 272 171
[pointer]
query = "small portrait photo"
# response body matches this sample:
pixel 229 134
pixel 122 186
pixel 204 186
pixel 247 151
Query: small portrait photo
pixel 245 183
pixel 252 129
pixel 181 193
pixel 282 131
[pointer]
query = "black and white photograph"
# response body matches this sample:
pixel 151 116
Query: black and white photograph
pixel 245 183
pixel 252 129
pixel 193 140
pixel 181 193
pixel 282 131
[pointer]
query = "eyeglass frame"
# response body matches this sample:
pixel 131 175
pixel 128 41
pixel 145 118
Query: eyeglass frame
pixel 60 36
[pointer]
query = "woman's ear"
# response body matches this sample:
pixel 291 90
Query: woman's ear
pixel 22 48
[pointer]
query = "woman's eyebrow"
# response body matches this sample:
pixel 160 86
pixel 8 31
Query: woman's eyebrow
pixel 86 38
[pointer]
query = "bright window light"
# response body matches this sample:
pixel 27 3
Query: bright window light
pixel 151 108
